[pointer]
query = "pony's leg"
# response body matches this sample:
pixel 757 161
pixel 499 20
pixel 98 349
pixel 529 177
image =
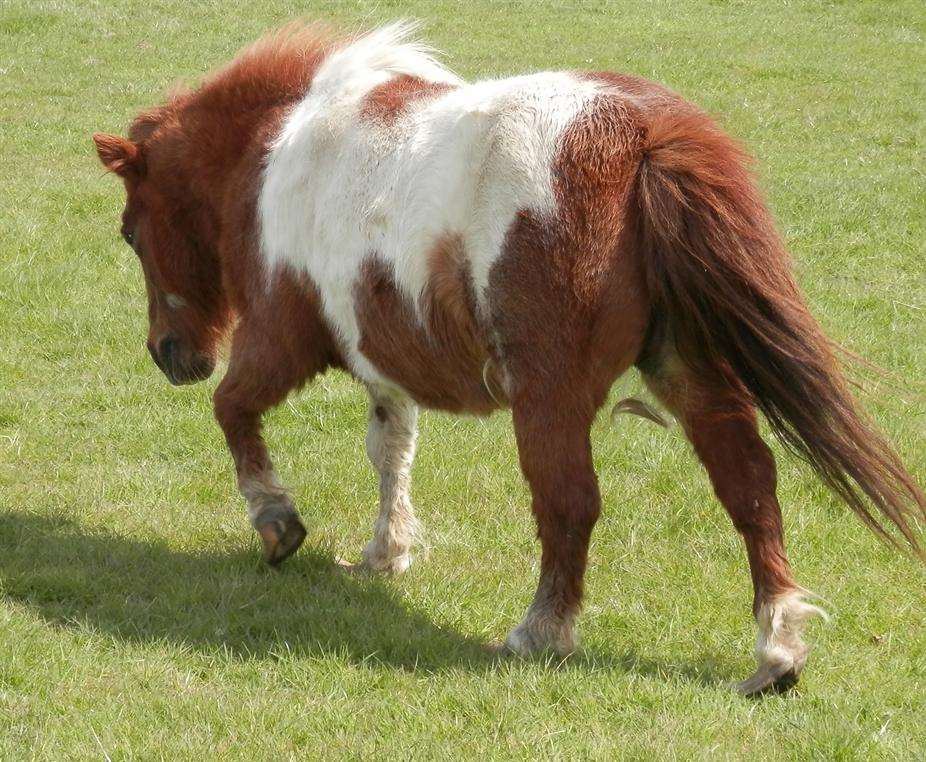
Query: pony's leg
pixel 391 433
pixel 556 458
pixel 721 424
pixel 258 378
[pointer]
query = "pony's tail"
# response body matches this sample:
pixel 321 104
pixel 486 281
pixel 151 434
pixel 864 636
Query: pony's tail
pixel 721 287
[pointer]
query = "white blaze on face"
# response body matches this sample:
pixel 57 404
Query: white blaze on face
pixel 339 188
pixel 175 301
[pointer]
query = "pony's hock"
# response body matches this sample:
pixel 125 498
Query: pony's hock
pixel 522 242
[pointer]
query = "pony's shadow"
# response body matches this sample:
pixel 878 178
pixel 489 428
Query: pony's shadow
pixel 213 602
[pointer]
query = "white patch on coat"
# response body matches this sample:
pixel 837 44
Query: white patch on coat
pixel 339 187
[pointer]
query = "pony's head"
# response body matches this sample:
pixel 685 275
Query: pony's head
pixel 171 236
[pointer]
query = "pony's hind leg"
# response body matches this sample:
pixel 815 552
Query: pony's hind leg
pixel 720 422
pixel 556 458
pixel 391 433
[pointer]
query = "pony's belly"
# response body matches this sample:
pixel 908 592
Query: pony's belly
pixel 437 354
pixel 430 380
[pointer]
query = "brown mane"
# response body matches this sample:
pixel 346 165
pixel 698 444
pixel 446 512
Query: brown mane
pixel 274 71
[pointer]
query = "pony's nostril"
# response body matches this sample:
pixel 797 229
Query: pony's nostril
pixel 166 349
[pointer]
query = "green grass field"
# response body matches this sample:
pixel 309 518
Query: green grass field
pixel 135 618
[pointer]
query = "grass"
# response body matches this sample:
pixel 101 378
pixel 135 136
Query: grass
pixel 135 619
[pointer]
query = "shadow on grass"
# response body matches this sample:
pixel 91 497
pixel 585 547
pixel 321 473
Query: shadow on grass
pixel 148 592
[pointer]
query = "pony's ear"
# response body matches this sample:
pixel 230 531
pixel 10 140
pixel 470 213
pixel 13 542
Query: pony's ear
pixel 119 155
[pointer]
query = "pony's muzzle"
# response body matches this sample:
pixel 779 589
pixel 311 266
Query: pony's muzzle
pixel 154 353
pixel 178 363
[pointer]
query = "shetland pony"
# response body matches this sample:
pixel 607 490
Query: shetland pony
pixel 348 202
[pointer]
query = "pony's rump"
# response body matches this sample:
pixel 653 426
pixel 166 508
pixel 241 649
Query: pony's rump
pixel 725 301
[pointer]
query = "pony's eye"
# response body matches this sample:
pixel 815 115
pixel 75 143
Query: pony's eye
pixel 129 237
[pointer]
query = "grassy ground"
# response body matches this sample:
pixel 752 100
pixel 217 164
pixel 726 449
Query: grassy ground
pixel 135 619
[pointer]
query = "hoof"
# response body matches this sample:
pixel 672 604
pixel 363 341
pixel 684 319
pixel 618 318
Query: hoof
pixel 390 568
pixel 779 649
pixel 496 648
pixel 349 568
pixel 767 680
pixel 376 560
pixel 281 538
pixel 521 643
pixel 533 637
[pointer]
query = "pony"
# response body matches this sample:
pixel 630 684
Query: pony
pixel 348 202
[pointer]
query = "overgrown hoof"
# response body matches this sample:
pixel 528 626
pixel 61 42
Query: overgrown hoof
pixel 779 649
pixel 531 638
pixel 769 679
pixel 373 565
pixel 351 568
pixel 281 538
pixel 380 560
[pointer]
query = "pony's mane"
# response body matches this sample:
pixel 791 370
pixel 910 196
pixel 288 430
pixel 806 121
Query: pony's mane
pixel 278 68
pixel 392 49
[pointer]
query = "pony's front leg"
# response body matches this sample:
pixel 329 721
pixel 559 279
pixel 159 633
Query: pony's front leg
pixel 556 457
pixel 254 383
pixel 391 433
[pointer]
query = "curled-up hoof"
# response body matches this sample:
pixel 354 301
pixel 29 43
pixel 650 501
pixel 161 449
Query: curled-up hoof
pixel 539 634
pixel 521 642
pixel 779 649
pixel 767 680
pixel 389 568
pixel 281 538
pixel 350 568
pixel 373 565
pixel 375 560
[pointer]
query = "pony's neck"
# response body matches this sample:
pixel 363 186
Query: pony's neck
pixel 220 133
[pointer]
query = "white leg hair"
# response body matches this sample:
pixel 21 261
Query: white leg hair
pixel 267 498
pixel 780 652
pixel 391 434
pixel 272 514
